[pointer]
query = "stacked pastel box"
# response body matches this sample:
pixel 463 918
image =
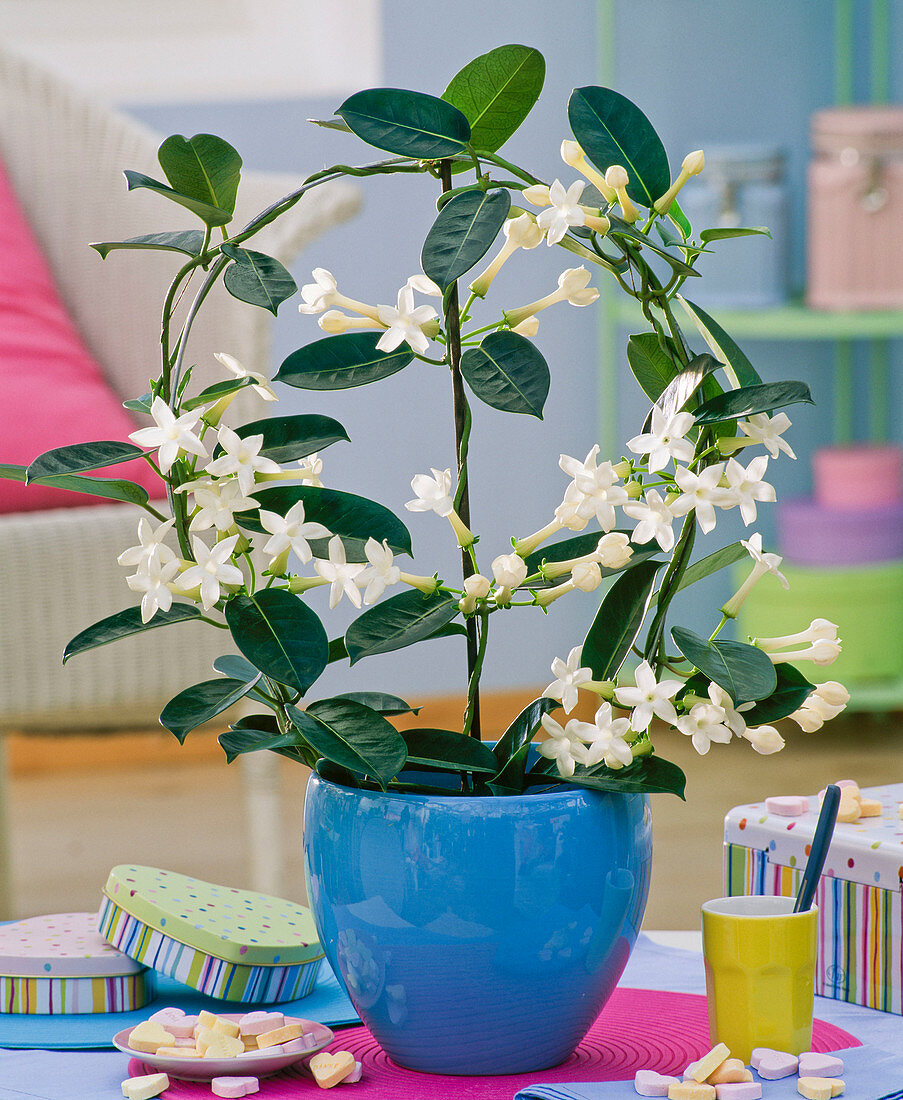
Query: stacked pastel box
pixel 842 549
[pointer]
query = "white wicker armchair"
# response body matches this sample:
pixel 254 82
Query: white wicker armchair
pixel 65 155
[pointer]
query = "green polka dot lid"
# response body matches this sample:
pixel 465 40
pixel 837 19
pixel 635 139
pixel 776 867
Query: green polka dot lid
pixel 239 926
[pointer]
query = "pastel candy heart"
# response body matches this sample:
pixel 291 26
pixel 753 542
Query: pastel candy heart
pixel 738 1090
pixel 301 1044
pixel 234 1086
pixel 813 1064
pixel 773 1064
pixel 330 1069
pixel 175 1021
pixel 257 1023
pixel 144 1087
pixel 731 1071
pixel 649 1083
pixel 819 1088
pixel 691 1090
pixel 147 1036
pixel 223 1046
pixel 708 1063
pixel 355 1075
pixel 787 805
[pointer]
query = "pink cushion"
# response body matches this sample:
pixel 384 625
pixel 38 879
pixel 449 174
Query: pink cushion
pixel 52 392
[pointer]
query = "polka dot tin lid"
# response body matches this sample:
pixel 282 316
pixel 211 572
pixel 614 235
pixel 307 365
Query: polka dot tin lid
pixel 238 926
pixel 868 851
pixel 60 945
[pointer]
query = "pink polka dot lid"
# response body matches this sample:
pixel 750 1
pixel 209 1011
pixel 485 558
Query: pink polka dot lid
pixel 60 945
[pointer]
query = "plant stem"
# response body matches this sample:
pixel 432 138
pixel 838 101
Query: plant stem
pixel 462 495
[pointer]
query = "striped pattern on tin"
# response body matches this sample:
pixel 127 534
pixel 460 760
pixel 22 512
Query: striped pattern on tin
pixel 62 996
pixel 195 968
pixel 860 928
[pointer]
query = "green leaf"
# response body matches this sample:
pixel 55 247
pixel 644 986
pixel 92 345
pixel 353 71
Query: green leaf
pixel 11 472
pixel 753 399
pixel 618 620
pixel 680 219
pixel 576 548
pixel 648 775
pixel 513 747
pixel 449 750
pixel 237 668
pixel 344 514
pixel 792 690
pixel 705 567
pixel 341 362
pixel 280 635
pixel 257 279
pixel 288 438
pixel 124 623
pixel 188 241
pixel 241 739
pixel 652 367
pixel 140 404
pixel 410 124
pixel 724 234
pixel 209 215
pixel 353 736
pixel 198 704
pixel 107 487
pixel 496 92
pixel 211 394
pixel 721 345
pixel 79 457
pixel 398 622
pixel 508 373
pixel 620 228
pixel 379 701
pixel 680 390
pixel 331 124
pixel 463 233
pixel 613 130
pixel 204 168
pixel 745 673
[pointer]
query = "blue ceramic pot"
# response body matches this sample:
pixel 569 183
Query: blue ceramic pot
pixel 477 935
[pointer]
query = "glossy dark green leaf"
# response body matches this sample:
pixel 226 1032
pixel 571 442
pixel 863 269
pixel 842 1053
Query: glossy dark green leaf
pixel 213 393
pixel 705 567
pixel 671 238
pixel 648 775
pixel 618 620
pixel 621 229
pixel 289 438
pixel 107 487
pixel 341 362
pixel 652 367
pixel 513 747
pixel 508 372
pixel 242 739
pixel 792 690
pixel 680 219
pixel 280 635
pixel 124 623
pixel 140 404
pixel 209 215
pixel 411 124
pixel 496 91
pixel 721 345
pixel 753 399
pixel 230 664
pixel 680 391
pixel 11 472
pixel 447 749
pixel 344 514
pixel 188 241
pixel 398 622
pixel 257 279
pixel 199 703
pixel 613 130
pixel 379 701
pixel 745 672
pixel 718 234
pixel 204 168
pixel 463 233
pixel 78 457
pixel 355 737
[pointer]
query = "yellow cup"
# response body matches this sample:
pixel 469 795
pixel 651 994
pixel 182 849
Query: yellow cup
pixel 759 973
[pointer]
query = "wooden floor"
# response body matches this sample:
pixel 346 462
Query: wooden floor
pixel 74 818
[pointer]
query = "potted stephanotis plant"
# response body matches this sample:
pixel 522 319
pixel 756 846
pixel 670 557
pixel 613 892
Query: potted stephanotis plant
pixel 457 883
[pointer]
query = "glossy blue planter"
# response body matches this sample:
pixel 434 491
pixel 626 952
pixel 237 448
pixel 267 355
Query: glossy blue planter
pixel 477 935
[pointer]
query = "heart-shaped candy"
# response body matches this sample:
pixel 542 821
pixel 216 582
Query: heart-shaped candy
pixel 330 1069
pixel 739 1090
pixel 147 1036
pixel 773 1064
pixel 175 1021
pixel 819 1088
pixel 731 1071
pixel 649 1083
pixel 234 1086
pixel 258 1023
pixel 813 1064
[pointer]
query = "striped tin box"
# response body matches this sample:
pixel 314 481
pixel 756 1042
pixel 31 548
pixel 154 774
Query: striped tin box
pixel 59 964
pixel 860 895
pixel 231 944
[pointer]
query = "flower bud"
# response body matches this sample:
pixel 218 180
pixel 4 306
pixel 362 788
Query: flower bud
pixel 807 719
pixel 598 223
pixel 477 586
pixel 764 739
pixel 586 576
pixel 537 194
pixel 571 153
pixel 614 550
pixel 693 163
pixel 467 605
pixel 528 327
pixel 523 232
pixel 833 693
pixel 335 322
pixel 509 570
pixel 616 177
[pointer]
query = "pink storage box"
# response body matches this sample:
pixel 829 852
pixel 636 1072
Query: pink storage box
pixel 855 215
pixel 860 477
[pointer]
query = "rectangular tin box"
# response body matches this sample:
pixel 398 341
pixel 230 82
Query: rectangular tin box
pixel 860 901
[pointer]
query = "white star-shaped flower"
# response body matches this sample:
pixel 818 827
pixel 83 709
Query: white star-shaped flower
pixel 382 571
pixel 172 434
pixel 608 740
pixel 433 493
pixel 405 323
pixel 731 717
pixel 341 575
pixel 768 563
pixel 217 501
pixel 767 430
pixel 153 580
pixel 655 520
pixel 241 457
pixel 648 698
pixel 568 678
pixel 746 486
pixel 151 546
pixel 212 569
pixel 666 440
pixel 702 492
pixel 703 725
pixel 564 745
pixel 320 294
pixel 291 532
pixel 261 384
pixel 598 487
pixel 565 210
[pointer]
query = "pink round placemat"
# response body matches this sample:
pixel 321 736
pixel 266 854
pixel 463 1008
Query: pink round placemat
pixel 638 1029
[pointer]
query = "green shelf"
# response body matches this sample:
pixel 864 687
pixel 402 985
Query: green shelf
pixel 793 321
